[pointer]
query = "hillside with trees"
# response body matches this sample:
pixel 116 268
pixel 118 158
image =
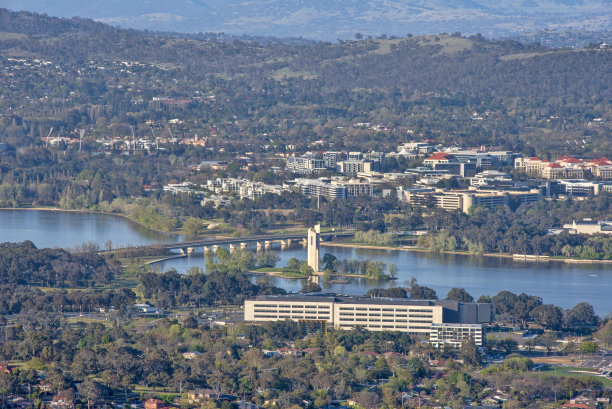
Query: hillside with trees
pixel 531 98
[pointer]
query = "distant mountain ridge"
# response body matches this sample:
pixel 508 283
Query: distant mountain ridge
pixel 333 19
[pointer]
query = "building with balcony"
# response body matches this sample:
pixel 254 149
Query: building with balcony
pixel 305 164
pixel 454 334
pixel 353 166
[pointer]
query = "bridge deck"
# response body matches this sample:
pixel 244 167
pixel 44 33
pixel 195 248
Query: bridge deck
pixel 233 240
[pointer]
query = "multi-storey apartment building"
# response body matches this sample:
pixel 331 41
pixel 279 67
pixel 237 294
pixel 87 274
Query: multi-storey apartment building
pixel 242 187
pixel 330 159
pixel 305 164
pixel 454 334
pixel 355 188
pixel 532 166
pixel 353 166
pixel 320 188
pixel 332 189
pixel 565 167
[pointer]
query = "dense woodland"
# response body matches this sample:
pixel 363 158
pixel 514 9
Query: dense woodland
pixel 24 264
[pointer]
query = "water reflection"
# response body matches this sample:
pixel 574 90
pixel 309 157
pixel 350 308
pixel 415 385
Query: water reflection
pixel 557 283
pixel 68 229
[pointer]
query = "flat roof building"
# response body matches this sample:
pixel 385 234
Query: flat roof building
pixel 454 334
pixel 304 164
pixel 589 227
pixel 464 199
pixel 415 317
pixel 332 188
pixel 353 166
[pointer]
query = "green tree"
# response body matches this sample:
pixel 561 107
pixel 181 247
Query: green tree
pixel 459 294
pixel 91 391
pixel 418 292
pixel 469 352
pixel 548 315
pixel 548 340
pixel 589 347
pixel 310 287
pixel 306 270
pixel 192 227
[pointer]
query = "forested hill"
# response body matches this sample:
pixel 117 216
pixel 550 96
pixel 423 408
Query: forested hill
pixel 329 20
pixel 429 84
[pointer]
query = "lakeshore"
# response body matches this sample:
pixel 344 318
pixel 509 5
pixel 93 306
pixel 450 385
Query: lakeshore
pixel 560 283
pixel 87 211
pixel 517 257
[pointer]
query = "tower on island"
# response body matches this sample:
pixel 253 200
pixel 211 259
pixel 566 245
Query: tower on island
pixel 313 247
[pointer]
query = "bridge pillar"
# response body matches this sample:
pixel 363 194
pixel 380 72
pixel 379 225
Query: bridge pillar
pixel 232 247
pixel 285 244
pixel 206 249
pixel 182 250
pixel 304 242
pixel 243 246
pixel 259 246
pixel 189 250
pixel 267 244
pixel 215 248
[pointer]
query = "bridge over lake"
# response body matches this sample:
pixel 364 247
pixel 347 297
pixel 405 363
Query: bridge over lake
pixel 263 241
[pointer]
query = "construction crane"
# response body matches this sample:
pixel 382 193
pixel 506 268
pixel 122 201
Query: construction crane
pixel 133 142
pixel 171 135
pixel 81 133
pixel 155 136
pixel 47 140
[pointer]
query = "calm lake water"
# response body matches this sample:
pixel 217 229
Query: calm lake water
pixel 557 283
pixel 67 229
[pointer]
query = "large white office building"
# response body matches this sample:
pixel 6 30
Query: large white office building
pixel 415 317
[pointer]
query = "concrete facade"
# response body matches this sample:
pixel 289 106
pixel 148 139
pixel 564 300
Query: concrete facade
pixel 454 334
pixel 415 317
pixel 313 247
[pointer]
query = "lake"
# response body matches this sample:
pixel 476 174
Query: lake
pixel 67 229
pixel 557 283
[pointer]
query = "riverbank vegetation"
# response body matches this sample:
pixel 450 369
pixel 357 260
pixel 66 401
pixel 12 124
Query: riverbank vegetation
pixel 370 269
pixel 239 260
pixel 373 237
pixel 525 230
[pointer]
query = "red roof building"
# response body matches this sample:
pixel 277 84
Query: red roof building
pixel 154 404
pixel 439 157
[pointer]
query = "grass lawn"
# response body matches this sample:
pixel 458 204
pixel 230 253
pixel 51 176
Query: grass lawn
pixel 78 321
pixel 157 390
pixel 291 274
pixel 269 270
pixel 575 372
pixel 121 282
